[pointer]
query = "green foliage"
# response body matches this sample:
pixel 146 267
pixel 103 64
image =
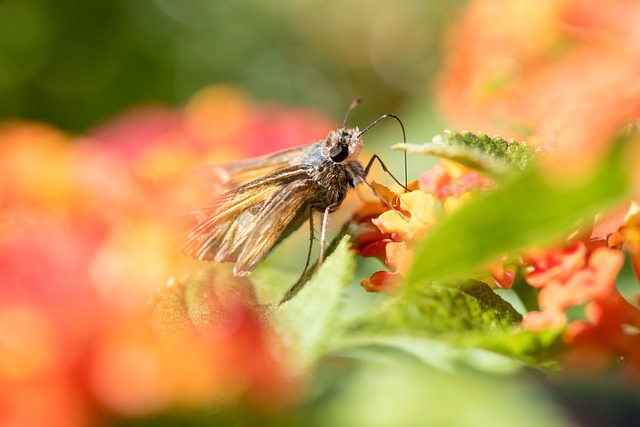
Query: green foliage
pixel 385 395
pixel 433 309
pixel 76 63
pixel 526 211
pixel 454 321
pixel 307 323
pixel 492 156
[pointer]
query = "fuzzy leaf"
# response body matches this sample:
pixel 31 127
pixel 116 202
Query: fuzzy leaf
pixel 535 348
pixel 451 325
pixel 528 210
pixel 433 309
pixel 308 322
pixel 492 156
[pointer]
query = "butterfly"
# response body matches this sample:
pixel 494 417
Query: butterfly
pixel 271 196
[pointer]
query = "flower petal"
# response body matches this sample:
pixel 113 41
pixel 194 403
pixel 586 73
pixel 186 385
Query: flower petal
pixel 382 281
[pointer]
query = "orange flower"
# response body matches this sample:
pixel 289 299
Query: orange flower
pixel 414 214
pixel 584 273
pixel 381 281
pixel 606 338
pixel 555 72
pixel 387 233
pixel 553 266
pixel 629 235
pixel 568 278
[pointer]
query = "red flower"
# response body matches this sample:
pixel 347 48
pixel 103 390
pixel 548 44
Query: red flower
pixel 381 281
pixel 503 276
pixel 570 277
pixel 607 338
pixel 553 266
pixel 576 276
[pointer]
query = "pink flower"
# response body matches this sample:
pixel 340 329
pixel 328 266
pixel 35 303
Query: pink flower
pixel 447 179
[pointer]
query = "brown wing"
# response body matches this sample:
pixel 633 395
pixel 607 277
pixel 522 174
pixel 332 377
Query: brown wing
pixel 243 224
pixel 236 174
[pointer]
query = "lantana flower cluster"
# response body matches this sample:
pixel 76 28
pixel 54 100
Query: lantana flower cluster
pixel 388 227
pixel 583 274
pixel 563 75
pixel 580 274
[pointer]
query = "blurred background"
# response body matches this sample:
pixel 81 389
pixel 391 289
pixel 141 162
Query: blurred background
pixel 105 105
pixel 134 76
pixel 75 63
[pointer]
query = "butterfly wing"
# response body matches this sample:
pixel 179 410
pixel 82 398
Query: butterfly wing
pixel 243 224
pixel 233 175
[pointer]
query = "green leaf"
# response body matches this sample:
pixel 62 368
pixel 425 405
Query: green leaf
pixel 302 281
pixel 529 210
pixel 443 355
pixel 492 156
pixel 308 322
pixel 538 349
pixel 433 309
pixel 452 325
pixel 271 283
pixel 381 395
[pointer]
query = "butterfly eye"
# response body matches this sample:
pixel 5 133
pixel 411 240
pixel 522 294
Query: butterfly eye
pixel 339 152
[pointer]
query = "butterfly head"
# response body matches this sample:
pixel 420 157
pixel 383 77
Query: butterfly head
pixel 344 145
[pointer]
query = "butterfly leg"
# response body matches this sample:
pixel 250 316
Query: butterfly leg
pixel 305 274
pixel 323 232
pixel 311 238
pixel 301 280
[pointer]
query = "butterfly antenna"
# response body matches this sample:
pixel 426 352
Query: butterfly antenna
pixel 404 140
pixel 352 107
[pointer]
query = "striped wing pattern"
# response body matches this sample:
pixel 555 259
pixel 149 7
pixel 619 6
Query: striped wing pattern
pixel 243 224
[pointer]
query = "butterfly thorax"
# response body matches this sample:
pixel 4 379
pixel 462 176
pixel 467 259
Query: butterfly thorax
pixel 335 167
